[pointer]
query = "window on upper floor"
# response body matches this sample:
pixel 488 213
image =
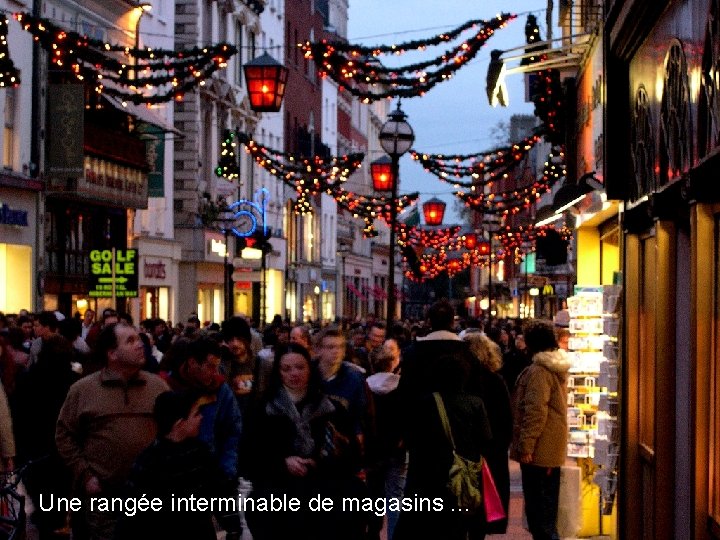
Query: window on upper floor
pixel 240 56
pixel 252 43
pixel 207 21
pixel 9 134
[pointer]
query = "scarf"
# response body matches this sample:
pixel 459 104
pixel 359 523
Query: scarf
pixel 283 405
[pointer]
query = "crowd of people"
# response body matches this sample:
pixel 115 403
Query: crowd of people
pixel 345 413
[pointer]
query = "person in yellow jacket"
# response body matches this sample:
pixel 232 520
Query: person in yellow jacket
pixel 540 427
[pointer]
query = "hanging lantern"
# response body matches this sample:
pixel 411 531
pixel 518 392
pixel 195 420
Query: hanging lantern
pixel 266 79
pixel 483 248
pixel 470 240
pixel 381 171
pixel 434 211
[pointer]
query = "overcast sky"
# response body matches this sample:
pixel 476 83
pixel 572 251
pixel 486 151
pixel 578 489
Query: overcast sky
pixel 453 117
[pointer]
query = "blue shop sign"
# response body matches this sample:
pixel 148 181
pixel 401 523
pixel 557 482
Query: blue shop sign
pixel 8 216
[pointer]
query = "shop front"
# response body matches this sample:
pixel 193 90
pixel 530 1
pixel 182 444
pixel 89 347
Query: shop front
pixel 663 162
pixel 158 276
pixel 18 222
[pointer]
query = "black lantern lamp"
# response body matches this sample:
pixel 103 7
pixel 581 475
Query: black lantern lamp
pixel 381 171
pixel 433 212
pixel 266 80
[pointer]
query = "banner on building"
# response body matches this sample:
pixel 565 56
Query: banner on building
pixel 66 130
pixel 154 138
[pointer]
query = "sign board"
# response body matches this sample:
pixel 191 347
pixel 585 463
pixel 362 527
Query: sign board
pixel 113 272
pixel 247 274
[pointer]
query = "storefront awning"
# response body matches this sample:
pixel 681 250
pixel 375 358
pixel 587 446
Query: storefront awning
pixel 141 113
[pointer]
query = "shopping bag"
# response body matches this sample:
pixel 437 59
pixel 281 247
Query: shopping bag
pixel 494 510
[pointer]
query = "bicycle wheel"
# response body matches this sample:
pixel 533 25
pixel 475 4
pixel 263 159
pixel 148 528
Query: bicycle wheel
pixel 12 515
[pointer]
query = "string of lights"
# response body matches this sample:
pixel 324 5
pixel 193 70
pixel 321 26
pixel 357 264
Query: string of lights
pixel 357 69
pixel 169 74
pixel 9 75
pixel 483 167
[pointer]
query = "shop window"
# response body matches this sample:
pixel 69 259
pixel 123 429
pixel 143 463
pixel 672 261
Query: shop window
pixel 714 450
pixel 15 278
pixel 9 128
pixel 647 345
pixel 155 303
pixel 239 58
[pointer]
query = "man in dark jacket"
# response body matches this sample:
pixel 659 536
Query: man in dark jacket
pixel 195 368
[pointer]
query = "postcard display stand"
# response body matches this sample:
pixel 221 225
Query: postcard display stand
pixel 593 384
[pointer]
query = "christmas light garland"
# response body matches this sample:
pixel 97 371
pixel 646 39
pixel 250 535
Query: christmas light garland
pixel 169 73
pixel 311 176
pixel 484 167
pixel 357 69
pixel 513 201
pixel 9 75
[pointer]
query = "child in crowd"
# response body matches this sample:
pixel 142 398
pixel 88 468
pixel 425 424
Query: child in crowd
pixel 177 465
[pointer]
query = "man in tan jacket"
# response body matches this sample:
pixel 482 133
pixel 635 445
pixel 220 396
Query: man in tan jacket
pixel 540 427
pixel 104 424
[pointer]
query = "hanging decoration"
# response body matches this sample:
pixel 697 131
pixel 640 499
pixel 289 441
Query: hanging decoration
pixel 228 166
pixel 483 167
pixel 357 68
pixel 117 70
pixel 513 201
pixel 312 176
pixel 522 239
pixel 370 208
pixel 9 75
pixel 545 90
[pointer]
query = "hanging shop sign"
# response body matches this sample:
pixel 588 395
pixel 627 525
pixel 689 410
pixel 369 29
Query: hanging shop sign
pixel 9 216
pixel 113 273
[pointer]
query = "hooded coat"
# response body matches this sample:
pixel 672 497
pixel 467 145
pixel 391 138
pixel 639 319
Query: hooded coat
pixel 540 410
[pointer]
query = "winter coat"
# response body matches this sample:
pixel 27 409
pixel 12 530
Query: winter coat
pixel 430 460
pixel 387 439
pixel 441 362
pixel 540 410
pixel 221 424
pixel 316 429
pixel 168 470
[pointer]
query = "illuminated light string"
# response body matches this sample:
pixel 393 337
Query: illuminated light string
pixel 515 200
pixel 311 176
pixel 168 74
pixel 228 166
pixel 545 88
pixel 314 174
pixel 357 69
pixel 484 167
pixel 444 250
pixel 9 74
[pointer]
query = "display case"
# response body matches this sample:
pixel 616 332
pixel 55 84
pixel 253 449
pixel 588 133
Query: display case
pixel 593 383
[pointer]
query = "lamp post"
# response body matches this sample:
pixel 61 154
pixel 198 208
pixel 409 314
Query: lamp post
pixel 343 250
pixel 396 137
pixel 225 222
pixel 142 9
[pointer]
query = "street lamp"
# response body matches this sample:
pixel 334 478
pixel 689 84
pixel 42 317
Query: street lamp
pixel 396 137
pixel 225 221
pixel 433 212
pixel 266 80
pixel 141 9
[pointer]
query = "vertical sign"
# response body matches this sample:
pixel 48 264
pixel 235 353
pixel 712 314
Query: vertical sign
pixel 113 273
pixel 154 138
pixel 66 112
